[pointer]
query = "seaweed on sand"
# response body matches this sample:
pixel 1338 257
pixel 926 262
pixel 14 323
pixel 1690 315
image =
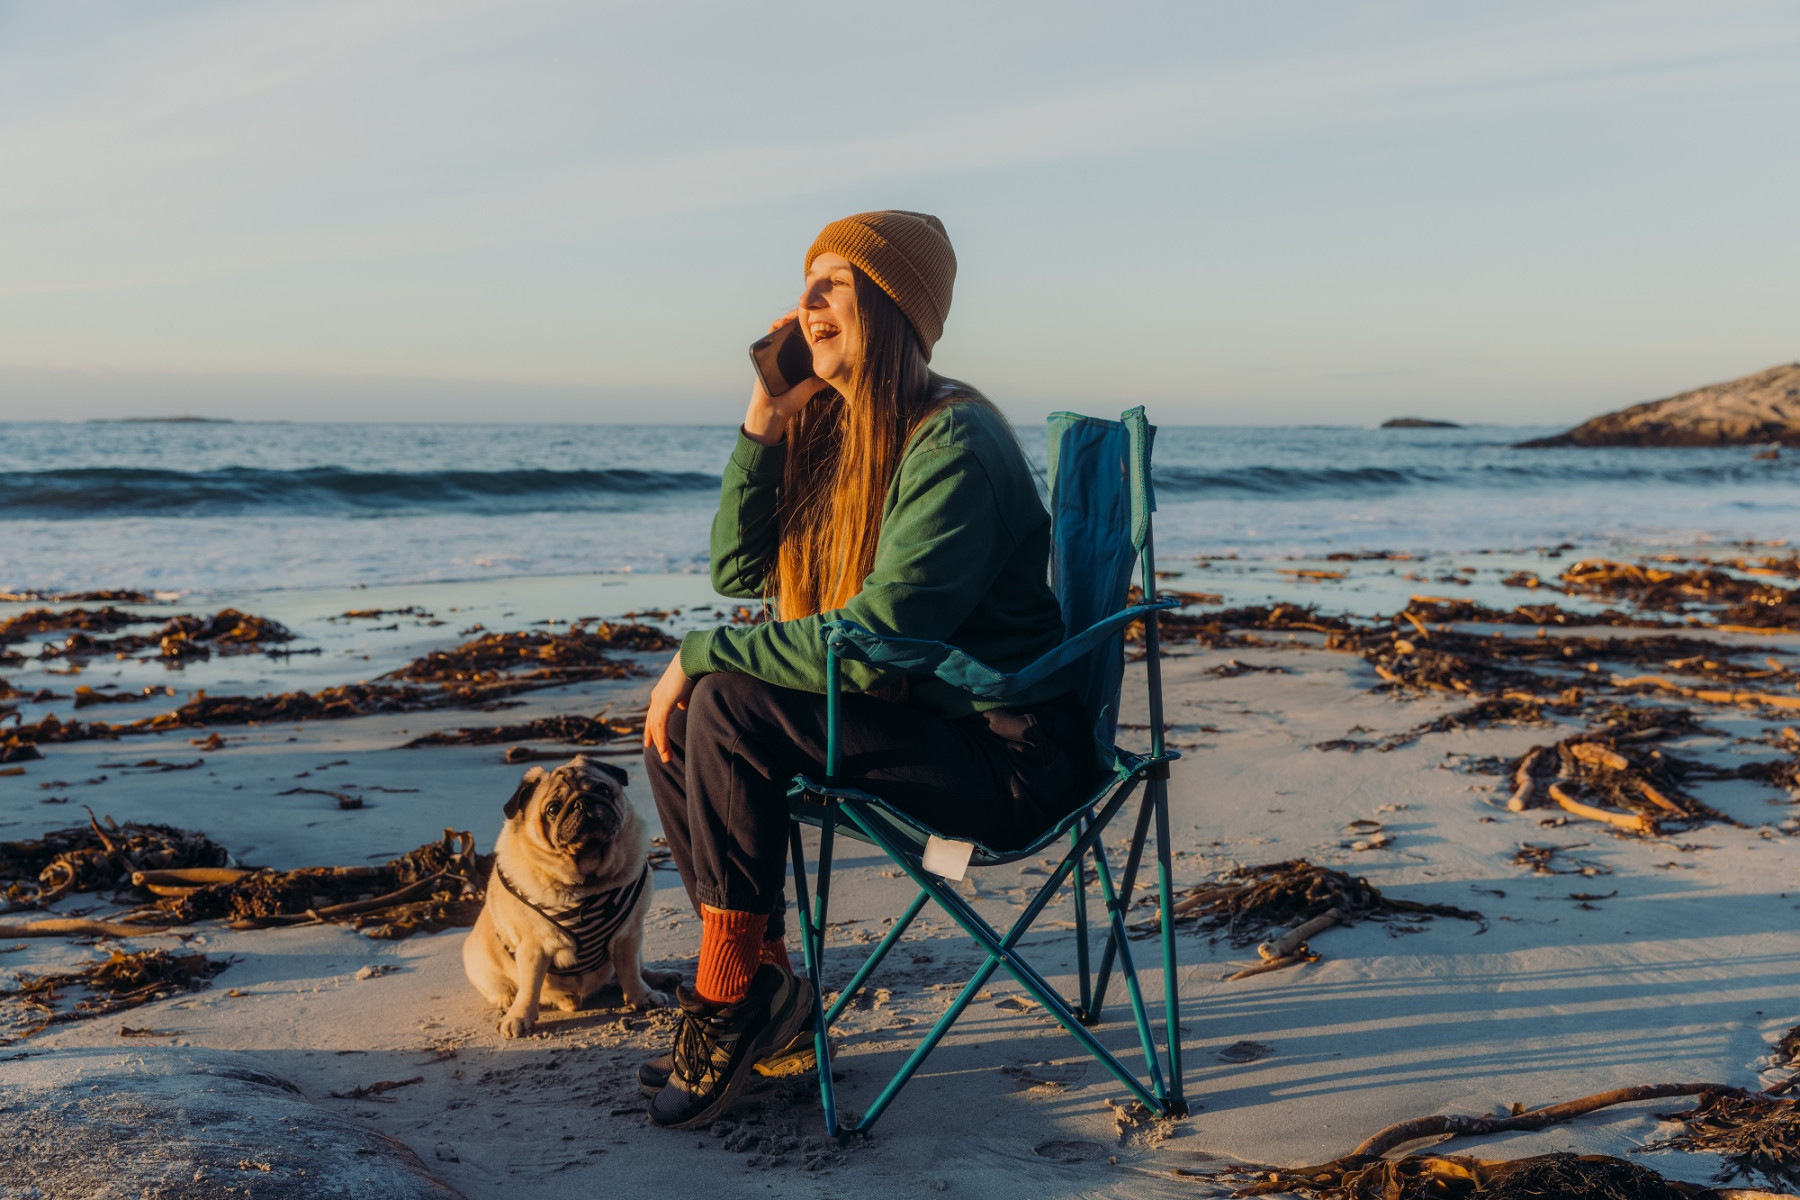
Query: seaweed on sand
pixel 437 886
pixel 1737 601
pixel 1215 629
pixel 1489 710
pixel 90 620
pixel 577 653
pixel 477 674
pixel 1756 1135
pixel 1452 1177
pixel 85 858
pixel 1247 902
pixel 349 700
pixel 1614 774
pixel 569 727
pixel 1443 609
pixel 181 637
pixel 120 981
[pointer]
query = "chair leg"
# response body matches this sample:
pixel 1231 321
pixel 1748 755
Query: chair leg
pixel 1158 794
pixel 1087 1011
pixel 812 954
pixel 1134 992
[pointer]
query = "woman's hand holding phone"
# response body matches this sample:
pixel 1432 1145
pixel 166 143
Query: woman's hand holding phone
pixel 767 418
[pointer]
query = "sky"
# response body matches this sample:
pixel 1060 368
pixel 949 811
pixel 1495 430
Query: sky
pixel 1242 213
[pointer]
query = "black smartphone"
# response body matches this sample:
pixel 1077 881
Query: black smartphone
pixel 782 358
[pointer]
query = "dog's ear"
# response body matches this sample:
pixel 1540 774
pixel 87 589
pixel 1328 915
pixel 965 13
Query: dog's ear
pixel 522 795
pixel 617 773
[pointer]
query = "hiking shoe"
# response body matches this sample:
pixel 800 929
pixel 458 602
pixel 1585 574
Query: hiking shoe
pixel 796 1058
pixel 716 1045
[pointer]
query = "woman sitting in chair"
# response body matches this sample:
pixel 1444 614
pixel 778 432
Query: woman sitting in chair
pixel 880 492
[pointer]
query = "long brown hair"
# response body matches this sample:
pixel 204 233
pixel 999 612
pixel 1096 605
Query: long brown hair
pixel 842 454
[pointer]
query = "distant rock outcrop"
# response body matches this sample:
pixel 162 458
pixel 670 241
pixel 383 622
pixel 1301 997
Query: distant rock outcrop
pixel 1754 410
pixel 1417 423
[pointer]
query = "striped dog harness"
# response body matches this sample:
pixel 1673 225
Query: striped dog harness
pixel 591 923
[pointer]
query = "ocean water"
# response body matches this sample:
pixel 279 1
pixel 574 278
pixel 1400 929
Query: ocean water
pixel 259 506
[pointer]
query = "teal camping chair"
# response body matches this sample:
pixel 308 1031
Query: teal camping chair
pixel 1100 503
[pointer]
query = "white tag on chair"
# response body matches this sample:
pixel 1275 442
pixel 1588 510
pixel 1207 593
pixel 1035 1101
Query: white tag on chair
pixel 947 859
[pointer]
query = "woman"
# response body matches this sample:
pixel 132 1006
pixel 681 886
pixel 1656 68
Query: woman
pixel 880 492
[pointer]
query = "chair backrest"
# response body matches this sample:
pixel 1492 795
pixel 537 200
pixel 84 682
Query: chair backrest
pixel 1100 506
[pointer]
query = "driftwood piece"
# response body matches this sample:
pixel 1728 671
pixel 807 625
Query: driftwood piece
pixel 1272 964
pixel 1295 939
pixel 1598 755
pixel 1524 785
pixel 1630 822
pixel 1463 1125
pixel 73 927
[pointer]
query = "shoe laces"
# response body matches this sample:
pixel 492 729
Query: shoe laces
pixel 700 1056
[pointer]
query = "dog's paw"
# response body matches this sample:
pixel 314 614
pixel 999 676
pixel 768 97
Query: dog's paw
pixel 512 1027
pixel 652 998
pixel 663 981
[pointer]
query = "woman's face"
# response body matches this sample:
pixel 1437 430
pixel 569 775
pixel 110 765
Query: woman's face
pixel 828 318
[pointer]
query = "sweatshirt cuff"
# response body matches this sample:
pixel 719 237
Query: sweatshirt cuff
pixel 696 653
pixel 757 460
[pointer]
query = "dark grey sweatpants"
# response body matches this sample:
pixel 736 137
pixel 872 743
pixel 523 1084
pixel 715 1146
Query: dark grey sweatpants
pixel 1000 777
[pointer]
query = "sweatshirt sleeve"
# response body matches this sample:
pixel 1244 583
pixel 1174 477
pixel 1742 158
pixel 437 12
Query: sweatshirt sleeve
pixel 942 544
pixel 745 531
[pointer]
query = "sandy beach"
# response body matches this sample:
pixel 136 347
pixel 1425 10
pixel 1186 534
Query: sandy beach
pixel 1673 958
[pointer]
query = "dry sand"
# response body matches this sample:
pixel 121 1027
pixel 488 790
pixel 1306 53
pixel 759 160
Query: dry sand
pixel 1689 972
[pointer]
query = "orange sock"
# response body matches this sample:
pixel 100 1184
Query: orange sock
pixel 730 952
pixel 774 950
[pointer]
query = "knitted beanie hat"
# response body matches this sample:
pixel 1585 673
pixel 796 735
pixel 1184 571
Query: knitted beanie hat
pixel 907 254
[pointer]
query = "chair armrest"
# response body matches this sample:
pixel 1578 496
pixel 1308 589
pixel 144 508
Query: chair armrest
pixel 848 640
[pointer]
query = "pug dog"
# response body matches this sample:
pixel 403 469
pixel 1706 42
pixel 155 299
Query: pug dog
pixel 564 914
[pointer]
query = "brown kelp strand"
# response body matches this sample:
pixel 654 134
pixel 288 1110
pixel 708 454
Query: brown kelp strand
pixel 1443 609
pixel 1223 628
pixel 1243 904
pixel 1491 710
pixel 181 638
pixel 88 620
pixel 121 981
pixel 579 652
pixel 85 858
pixel 570 728
pixel 1542 859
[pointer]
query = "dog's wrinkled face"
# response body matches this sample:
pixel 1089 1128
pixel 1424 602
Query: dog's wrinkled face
pixel 574 811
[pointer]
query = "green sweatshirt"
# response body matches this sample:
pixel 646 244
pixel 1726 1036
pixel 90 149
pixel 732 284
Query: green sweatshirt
pixel 963 558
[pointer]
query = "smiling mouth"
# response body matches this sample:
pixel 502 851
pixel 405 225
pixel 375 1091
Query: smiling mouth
pixel 822 331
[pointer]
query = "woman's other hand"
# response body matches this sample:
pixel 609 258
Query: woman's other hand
pixel 767 419
pixel 671 692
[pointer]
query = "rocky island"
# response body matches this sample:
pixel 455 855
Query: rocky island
pixel 1755 410
pixel 1417 423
